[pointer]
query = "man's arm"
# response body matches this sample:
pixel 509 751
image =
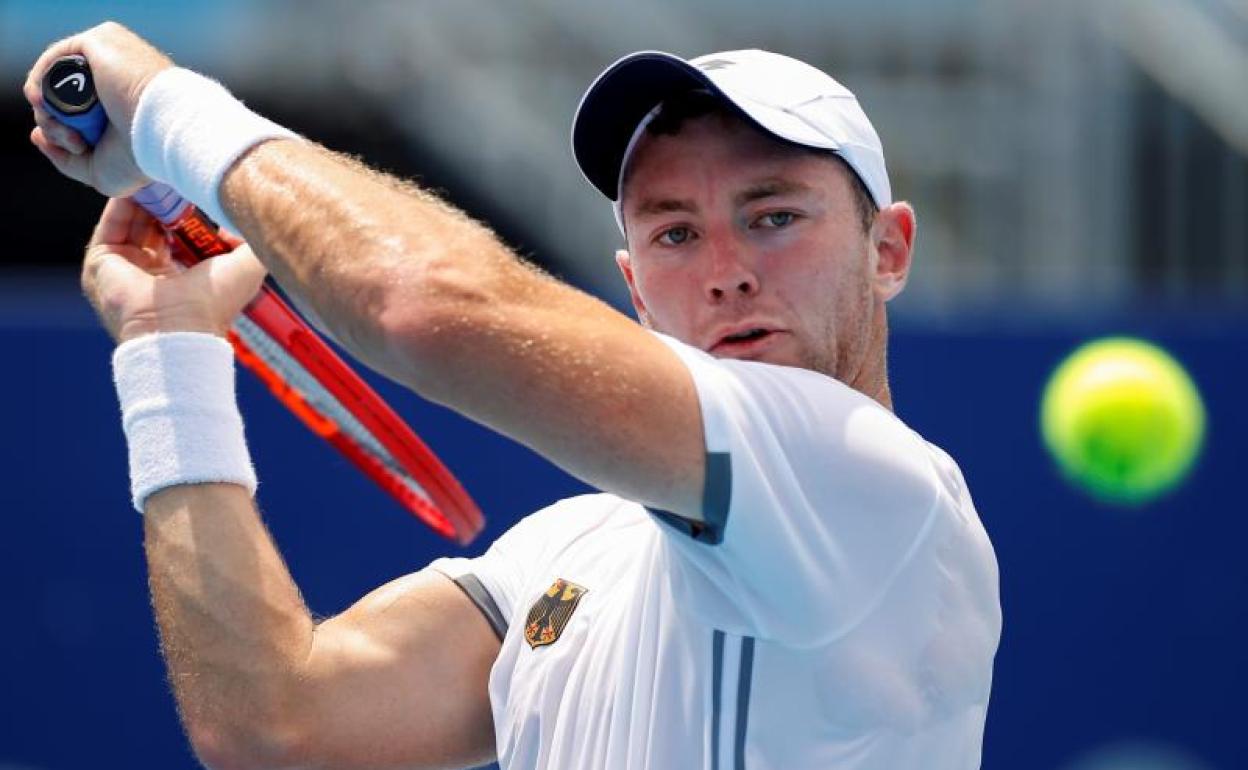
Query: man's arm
pixel 398 680
pixel 412 286
pixel 421 292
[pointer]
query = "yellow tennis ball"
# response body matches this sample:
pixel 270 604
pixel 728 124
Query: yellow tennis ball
pixel 1123 420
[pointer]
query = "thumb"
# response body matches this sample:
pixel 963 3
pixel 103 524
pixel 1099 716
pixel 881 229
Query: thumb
pixel 234 277
pixel 106 269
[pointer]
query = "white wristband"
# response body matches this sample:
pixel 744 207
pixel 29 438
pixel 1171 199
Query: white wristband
pixel 179 413
pixel 188 130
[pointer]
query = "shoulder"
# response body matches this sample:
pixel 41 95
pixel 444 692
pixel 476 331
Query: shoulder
pixel 551 529
pixel 787 396
pixel 782 427
pixel 757 373
pixel 576 530
pixel 949 476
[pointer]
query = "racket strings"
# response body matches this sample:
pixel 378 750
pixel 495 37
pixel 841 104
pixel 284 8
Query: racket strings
pixel 321 400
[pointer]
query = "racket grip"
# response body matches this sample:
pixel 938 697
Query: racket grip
pixel 69 94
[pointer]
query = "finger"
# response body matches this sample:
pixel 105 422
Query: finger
pixel 128 229
pixel 159 260
pixel 33 93
pixel 231 239
pixel 121 270
pixel 120 266
pixel 156 239
pixel 236 277
pixel 65 136
pixel 146 233
pixel 148 260
pixel 76 167
pixel 49 148
pixel 32 88
pixel 114 222
pixel 145 230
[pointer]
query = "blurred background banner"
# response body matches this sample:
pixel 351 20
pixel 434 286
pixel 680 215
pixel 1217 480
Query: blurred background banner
pixel 1079 169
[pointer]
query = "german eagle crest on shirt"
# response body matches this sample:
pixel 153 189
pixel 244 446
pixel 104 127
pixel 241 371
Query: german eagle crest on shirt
pixel 549 615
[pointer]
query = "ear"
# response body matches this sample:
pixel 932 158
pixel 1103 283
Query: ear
pixel 892 241
pixel 624 261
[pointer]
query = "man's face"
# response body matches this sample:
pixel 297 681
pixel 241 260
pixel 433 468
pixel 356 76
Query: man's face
pixel 749 248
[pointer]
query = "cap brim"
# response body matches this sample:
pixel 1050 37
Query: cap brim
pixel 617 102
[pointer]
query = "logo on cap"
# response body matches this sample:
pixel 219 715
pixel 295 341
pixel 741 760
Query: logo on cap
pixel 550 614
pixel 715 64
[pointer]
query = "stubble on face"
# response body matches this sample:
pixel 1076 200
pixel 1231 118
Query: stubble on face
pixel 849 329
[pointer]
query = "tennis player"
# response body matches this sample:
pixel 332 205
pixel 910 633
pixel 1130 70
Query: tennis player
pixel 778 572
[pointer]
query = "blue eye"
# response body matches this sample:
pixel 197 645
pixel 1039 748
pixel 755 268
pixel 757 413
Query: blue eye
pixel 776 219
pixel 675 236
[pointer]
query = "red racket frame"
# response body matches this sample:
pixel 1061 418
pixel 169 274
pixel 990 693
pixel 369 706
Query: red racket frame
pixel 453 513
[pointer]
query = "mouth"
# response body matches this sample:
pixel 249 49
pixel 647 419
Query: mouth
pixel 745 343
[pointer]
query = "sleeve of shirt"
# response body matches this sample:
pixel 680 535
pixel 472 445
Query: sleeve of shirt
pixel 815 499
pixel 495 579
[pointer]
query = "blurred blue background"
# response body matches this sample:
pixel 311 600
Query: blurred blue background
pixel 1079 169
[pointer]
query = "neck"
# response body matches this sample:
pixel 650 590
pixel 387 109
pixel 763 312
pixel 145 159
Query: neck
pixel 872 375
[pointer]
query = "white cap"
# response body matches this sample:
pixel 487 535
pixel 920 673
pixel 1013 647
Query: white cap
pixel 785 97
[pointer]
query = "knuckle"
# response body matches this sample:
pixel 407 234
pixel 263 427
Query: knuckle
pixel 90 263
pixel 88 283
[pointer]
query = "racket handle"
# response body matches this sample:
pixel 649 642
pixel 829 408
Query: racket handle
pixel 69 94
pixel 194 230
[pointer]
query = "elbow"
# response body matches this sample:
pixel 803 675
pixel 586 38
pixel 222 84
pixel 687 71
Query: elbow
pixel 218 751
pixel 259 745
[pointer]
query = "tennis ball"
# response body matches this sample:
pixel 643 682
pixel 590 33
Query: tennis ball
pixel 1123 420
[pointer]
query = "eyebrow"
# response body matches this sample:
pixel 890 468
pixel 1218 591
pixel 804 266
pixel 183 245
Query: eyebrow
pixel 655 206
pixel 768 188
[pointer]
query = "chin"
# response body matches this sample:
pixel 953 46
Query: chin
pixel 765 357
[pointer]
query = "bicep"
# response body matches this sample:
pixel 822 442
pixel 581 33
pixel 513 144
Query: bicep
pixel 401 679
pixel 574 380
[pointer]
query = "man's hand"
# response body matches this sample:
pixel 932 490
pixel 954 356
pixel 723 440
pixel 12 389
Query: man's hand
pixel 136 288
pixel 122 64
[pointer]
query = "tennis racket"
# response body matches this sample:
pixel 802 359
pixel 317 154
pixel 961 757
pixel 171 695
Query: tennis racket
pixel 280 348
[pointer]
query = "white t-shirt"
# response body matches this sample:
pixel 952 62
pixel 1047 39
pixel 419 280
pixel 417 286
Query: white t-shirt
pixel 840 611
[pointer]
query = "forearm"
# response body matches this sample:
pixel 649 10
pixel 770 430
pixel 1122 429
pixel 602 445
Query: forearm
pixel 257 682
pixel 234 629
pixel 422 293
pixel 367 252
pixel 429 297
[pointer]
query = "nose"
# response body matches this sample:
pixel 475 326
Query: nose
pixel 731 273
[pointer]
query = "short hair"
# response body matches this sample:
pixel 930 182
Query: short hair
pixel 672 114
